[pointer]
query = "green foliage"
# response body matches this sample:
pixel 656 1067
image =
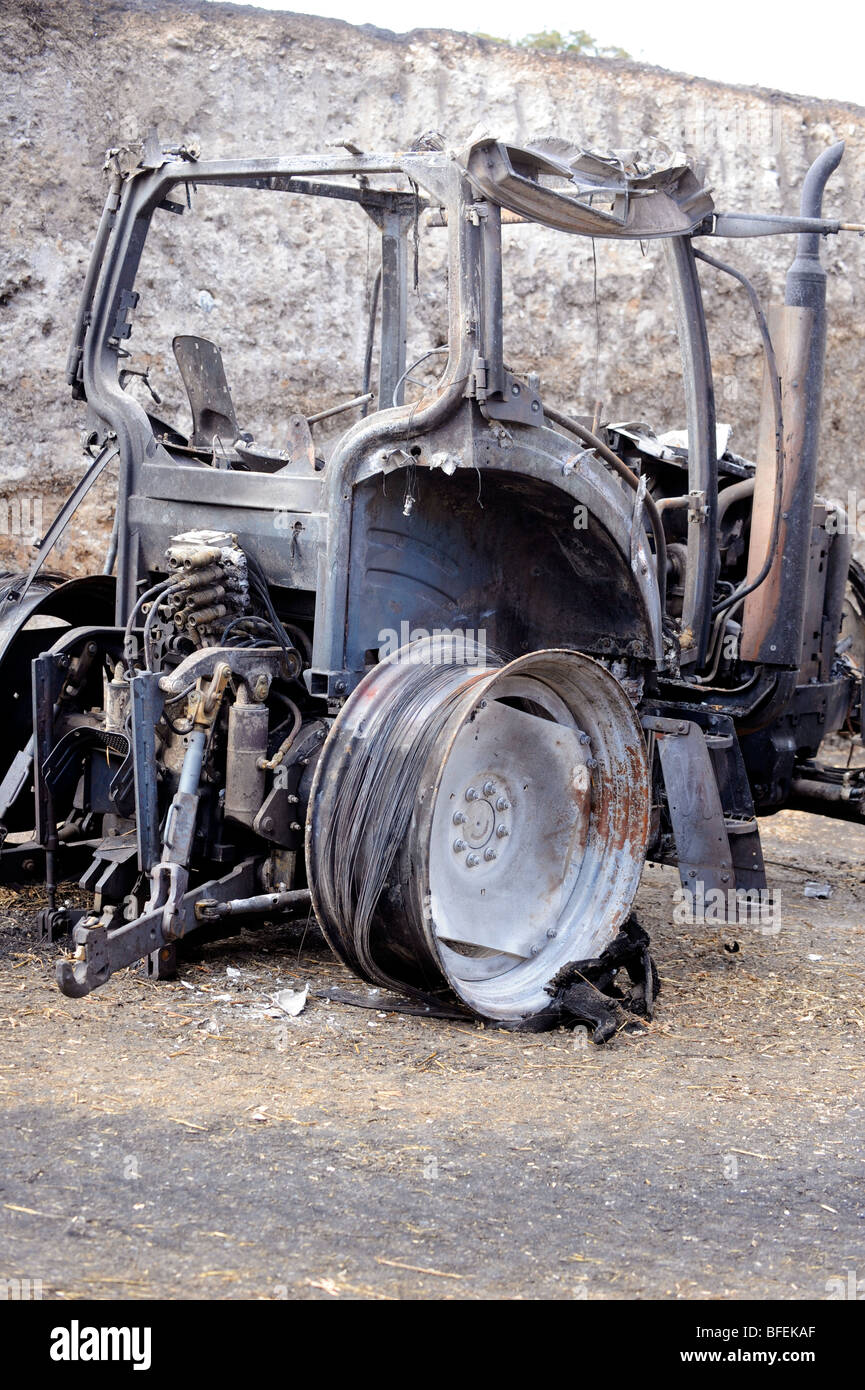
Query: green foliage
pixel 577 41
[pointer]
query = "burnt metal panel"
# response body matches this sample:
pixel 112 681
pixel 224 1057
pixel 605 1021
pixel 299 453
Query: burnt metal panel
pixel 203 373
pixel 817 651
pixel 534 544
pixel 694 802
pixel 285 543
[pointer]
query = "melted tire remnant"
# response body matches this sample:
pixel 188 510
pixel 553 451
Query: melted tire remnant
pixel 586 991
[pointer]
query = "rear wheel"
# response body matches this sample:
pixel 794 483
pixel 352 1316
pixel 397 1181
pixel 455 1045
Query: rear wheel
pixel 475 828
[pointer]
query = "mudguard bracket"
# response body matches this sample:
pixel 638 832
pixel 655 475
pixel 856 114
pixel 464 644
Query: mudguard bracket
pixel 710 805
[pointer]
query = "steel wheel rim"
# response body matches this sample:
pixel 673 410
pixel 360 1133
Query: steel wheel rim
pixel 543 764
pixel 611 829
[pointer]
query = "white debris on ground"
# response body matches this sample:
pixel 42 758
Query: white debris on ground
pixel 813 889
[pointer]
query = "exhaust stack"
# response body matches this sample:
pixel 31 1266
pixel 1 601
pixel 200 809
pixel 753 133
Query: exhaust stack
pixel 774 614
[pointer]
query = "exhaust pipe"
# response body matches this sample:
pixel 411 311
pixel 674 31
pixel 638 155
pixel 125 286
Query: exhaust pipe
pixel 806 278
pixel 773 621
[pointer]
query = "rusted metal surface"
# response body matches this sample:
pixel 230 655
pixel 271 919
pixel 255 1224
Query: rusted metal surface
pixel 773 614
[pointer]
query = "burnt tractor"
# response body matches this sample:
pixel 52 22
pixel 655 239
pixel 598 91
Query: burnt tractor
pixel 454 679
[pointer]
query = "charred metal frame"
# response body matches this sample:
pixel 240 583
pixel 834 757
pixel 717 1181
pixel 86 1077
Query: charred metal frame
pixel 477 419
pixel 474 367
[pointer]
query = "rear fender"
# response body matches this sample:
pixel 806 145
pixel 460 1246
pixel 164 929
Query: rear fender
pixel 50 609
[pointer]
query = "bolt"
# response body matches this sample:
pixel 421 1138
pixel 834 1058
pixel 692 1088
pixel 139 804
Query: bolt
pixel 552 933
pixel 591 763
pixel 471 794
pixel 296 825
pixel 535 951
pixel 339 687
pixel 267 824
pixel 502 832
pixel 489 788
pixel 472 860
pixel 503 804
pixel 459 846
pixel 515 390
pixel 584 738
pixel 489 854
pixel 459 818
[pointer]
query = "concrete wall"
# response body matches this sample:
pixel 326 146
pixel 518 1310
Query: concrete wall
pixel 283 285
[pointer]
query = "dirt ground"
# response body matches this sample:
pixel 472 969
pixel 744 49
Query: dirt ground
pixel 188 1140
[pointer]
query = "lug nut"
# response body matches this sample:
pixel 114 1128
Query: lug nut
pixel 503 804
pixel 489 788
pixel 489 854
pixel 459 846
pixel 472 860
pixel 459 818
pixel 472 794
pixel 502 832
